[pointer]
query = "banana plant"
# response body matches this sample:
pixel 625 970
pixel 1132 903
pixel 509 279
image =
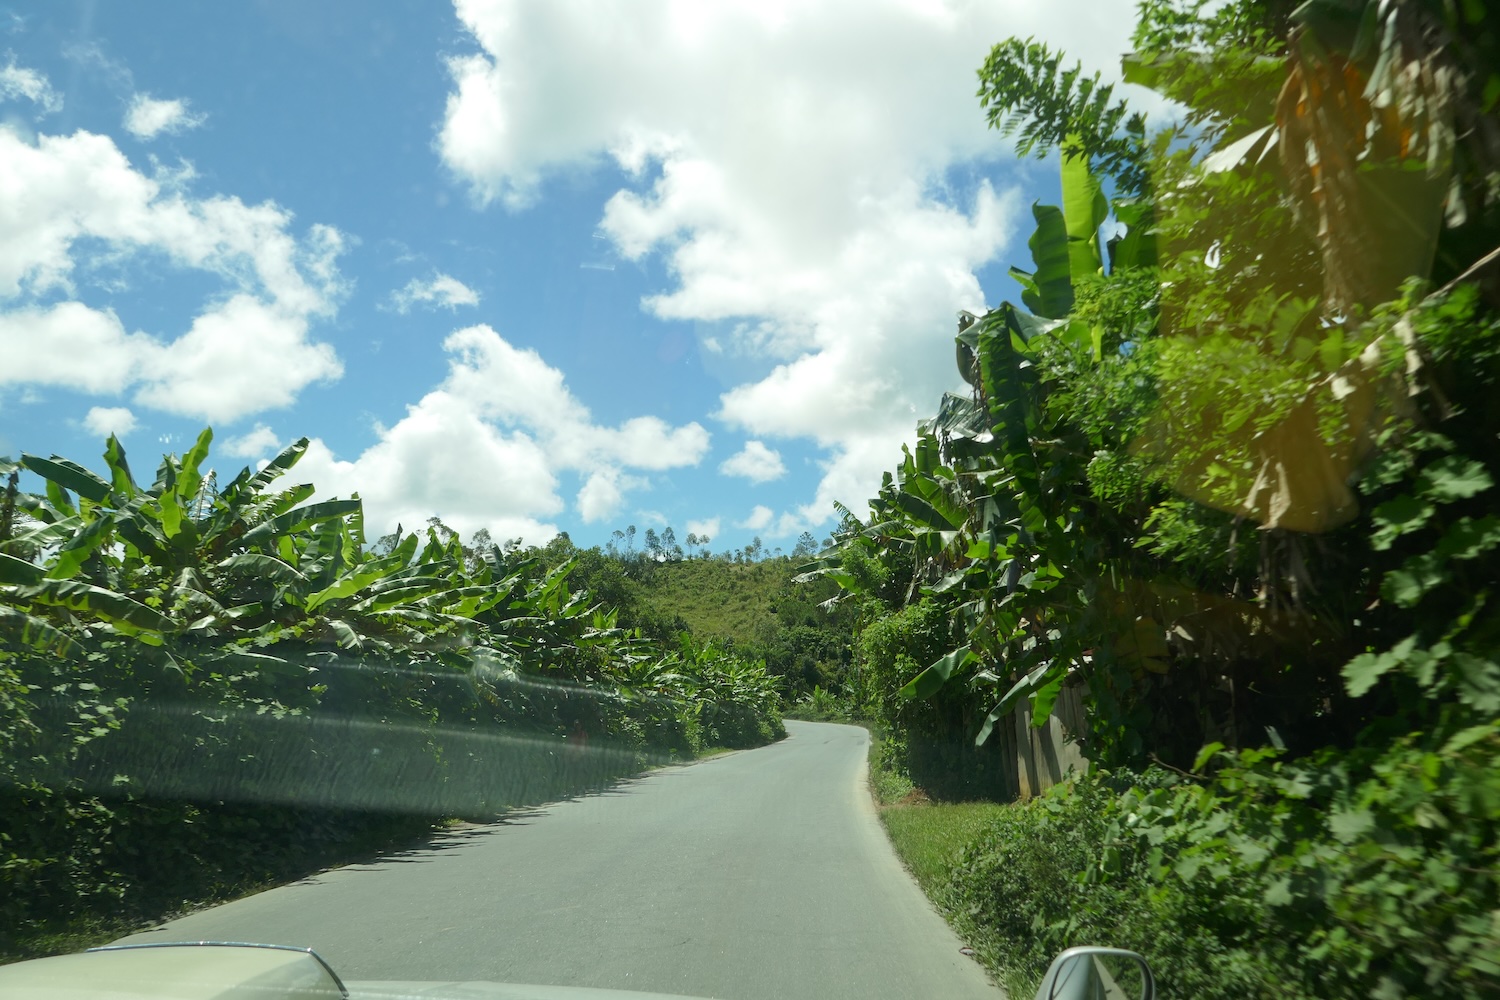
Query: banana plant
pixel 986 509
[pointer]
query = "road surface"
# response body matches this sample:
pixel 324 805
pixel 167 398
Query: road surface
pixel 759 875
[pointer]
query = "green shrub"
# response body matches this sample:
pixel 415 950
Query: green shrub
pixel 889 781
pixel 1372 874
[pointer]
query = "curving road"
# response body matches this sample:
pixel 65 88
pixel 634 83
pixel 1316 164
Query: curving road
pixel 759 875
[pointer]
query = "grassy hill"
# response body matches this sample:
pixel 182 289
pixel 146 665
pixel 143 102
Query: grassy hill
pixel 720 598
pixel 753 604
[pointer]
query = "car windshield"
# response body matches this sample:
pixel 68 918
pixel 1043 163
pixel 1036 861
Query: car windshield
pixel 752 499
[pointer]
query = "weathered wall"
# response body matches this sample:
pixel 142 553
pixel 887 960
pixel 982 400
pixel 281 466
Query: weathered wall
pixel 1045 756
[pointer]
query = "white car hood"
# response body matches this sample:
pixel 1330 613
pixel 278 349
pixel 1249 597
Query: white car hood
pixel 230 971
pixel 493 991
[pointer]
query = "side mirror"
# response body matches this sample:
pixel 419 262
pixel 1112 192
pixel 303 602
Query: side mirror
pixel 1098 974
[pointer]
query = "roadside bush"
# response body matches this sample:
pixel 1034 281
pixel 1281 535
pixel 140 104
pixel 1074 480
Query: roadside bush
pixel 936 746
pixel 1372 874
pixel 888 778
pixel 1029 887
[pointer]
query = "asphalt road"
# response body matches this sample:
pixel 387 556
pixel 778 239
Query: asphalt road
pixel 759 875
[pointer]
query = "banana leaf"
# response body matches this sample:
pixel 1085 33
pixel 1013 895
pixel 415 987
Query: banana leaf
pixel 124 613
pixel 1084 209
pixel 76 550
pixel 35 633
pixel 123 487
pixel 69 476
pixel 930 681
pixel 299 519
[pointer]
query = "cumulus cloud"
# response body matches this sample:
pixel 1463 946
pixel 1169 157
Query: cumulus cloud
pixel 485 448
pixel 706 529
pixel 440 290
pixel 249 350
pixel 147 117
pixel 796 165
pixel 759 518
pixel 72 346
pixel 255 443
pixel 754 462
pixel 18 82
pixel 243 353
pixel 600 496
pixel 102 421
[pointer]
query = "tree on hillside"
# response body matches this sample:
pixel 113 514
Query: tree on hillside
pixel 670 549
pixel 806 546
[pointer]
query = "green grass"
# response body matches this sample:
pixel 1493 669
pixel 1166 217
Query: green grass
pixel 718 598
pixel 928 837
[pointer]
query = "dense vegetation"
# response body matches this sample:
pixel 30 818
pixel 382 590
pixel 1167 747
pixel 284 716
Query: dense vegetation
pixel 749 604
pixel 202 689
pixel 1230 474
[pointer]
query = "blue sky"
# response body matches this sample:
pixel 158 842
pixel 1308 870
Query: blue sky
pixel 529 266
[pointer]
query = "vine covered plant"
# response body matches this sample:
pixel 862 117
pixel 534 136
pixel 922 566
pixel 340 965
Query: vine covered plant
pixel 1230 473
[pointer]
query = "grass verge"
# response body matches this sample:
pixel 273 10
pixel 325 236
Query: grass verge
pixel 928 836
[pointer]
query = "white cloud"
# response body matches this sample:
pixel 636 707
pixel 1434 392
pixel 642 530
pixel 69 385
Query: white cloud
pixel 601 496
pixel 441 290
pixel 19 82
pixel 706 529
pixel 759 518
pixel 255 443
pixel 795 165
pixel 486 447
pixel 102 421
pixel 147 117
pixel 248 350
pixel 789 524
pixel 238 358
pixel 754 462
pixel 71 346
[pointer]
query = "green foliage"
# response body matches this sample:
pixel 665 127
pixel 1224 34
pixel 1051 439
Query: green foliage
pixel 928 738
pixel 1355 875
pixel 889 781
pixel 212 670
pixel 1027 94
pixel 1239 488
pixel 1211 361
pixel 895 647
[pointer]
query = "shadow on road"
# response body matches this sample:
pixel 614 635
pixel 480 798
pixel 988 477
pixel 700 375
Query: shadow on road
pixel 449 839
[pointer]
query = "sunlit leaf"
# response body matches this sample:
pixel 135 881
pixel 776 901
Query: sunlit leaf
pixel 930 681
pixel 1454 478
pixel 69 476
